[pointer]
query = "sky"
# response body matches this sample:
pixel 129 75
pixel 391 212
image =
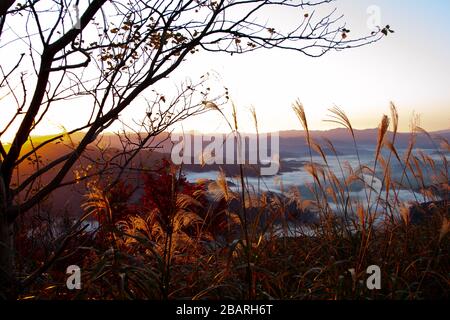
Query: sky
pixel 410 68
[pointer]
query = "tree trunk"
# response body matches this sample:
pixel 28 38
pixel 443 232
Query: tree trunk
pixel 6 248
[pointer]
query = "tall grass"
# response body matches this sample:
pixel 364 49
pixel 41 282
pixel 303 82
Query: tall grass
pixel 192 256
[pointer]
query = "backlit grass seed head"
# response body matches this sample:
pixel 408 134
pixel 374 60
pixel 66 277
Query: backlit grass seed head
pixel 300 112
pixel 382 130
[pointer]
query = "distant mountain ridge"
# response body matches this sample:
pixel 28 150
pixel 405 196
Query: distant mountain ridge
pixel 292 145
pixel 291 141
pixel 369 135
pixel 366 139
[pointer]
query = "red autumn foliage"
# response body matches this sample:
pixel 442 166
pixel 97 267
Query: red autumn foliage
pixel 160 190
pixel 118 197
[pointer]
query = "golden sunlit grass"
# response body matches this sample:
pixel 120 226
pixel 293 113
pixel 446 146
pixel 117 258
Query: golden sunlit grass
pixel 255 256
